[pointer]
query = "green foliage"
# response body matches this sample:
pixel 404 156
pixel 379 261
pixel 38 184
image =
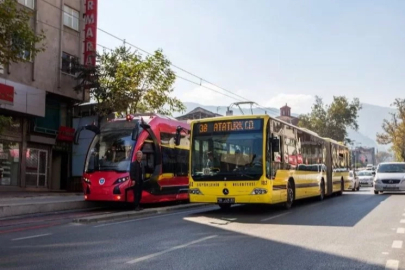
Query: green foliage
pixel 394 130
pixel 332 120
pixel 123 81
pixel 16 34
pixel 5 121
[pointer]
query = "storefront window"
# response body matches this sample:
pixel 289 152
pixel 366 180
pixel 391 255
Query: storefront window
pixel 9 163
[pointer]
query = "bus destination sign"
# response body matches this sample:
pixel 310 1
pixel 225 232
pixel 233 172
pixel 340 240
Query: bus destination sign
pixel 229 126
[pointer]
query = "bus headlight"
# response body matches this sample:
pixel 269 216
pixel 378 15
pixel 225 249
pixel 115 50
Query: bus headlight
pixel 195 191
pixel 259 191
pixel 121 180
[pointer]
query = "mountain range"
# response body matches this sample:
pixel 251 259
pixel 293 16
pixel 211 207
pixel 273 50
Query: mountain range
pixel 370 120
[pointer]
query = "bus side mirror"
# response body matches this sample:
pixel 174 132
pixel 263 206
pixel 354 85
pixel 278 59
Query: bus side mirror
pixel 373 173
pixel 135 133
pixel 275 145
pixel 178 136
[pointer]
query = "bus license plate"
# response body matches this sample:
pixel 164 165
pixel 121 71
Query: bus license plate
pixel 391 188
pixel 226 200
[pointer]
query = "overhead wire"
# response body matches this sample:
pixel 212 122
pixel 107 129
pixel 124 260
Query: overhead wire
pixel 239 99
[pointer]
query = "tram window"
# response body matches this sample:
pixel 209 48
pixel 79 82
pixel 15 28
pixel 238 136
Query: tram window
pixel 148 157
pixel 168 160
pixel 182 162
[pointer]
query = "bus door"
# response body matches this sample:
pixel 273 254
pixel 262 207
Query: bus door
pixel 153 152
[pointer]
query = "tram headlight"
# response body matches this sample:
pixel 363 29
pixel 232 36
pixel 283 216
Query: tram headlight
pixel 195 191
pixel 259 191
pixel 121 180
pixel 87 180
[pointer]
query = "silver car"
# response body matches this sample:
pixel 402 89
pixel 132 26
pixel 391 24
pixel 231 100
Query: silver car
pixel 366 178
pixel 389 176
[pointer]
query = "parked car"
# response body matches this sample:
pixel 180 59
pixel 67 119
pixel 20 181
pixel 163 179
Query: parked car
pixel 389 176
pixel 366 178
pixel 354 181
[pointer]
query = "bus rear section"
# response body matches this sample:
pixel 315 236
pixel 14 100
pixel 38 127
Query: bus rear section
pixel 227 164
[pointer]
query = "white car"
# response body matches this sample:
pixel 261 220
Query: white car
pixel 366 178
pixel 389 176
pixel 354 181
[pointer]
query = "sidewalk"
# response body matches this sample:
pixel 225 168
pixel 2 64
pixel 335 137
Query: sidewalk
pixel 23 203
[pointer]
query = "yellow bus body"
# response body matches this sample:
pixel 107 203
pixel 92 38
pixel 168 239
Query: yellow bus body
pixel 306 183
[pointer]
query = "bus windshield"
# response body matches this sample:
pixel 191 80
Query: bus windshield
pixel 112 149
pixel 227 154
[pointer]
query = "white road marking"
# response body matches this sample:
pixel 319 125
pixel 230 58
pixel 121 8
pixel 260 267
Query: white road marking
pixel 397 244
pixel 145 218
pixel 276 216
pixel 170 249
pixel 29 237
pixel 385 253
pixel 401 230
pixel 402 221
pixel 392 265
pixel 403 214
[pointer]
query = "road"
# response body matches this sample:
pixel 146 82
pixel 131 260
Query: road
pixel 358 230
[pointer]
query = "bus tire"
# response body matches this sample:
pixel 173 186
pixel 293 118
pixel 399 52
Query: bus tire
pixel 290 195
pixel 322 187
pixel 224 206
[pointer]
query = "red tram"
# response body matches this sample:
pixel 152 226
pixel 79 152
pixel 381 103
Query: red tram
pixel 164 142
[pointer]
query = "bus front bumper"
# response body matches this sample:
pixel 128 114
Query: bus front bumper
pixel 239 199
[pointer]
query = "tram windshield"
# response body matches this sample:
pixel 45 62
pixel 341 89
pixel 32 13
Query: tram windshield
pixel 112 149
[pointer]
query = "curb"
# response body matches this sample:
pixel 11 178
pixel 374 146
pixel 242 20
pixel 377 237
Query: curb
pixel 132 214
pixel 43 207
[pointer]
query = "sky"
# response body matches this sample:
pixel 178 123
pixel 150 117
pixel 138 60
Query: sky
pixel 269 52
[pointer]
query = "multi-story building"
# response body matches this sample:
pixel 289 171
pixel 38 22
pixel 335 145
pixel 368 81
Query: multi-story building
pixel 285 115
pixel 36 150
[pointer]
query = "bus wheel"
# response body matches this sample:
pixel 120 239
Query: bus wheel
pixel 322 195
pixel 290 196
pixel 224 206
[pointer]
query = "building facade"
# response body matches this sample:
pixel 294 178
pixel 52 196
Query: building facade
pixel 197 113
pixel 285 115
pixel 35 152
pixel 364 155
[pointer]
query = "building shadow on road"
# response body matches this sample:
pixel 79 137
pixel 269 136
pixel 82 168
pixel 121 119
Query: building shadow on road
pixel 341 211
pixel 222 250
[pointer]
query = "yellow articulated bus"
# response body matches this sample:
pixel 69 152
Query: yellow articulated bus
pixel 260 159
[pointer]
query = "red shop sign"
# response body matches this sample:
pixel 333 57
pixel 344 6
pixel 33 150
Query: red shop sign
pixel 66 134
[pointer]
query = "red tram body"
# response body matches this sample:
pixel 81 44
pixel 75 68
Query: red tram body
pixel 165 144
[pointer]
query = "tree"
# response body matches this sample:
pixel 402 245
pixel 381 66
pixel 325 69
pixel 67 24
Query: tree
pixel 123 81
pixel 16 39
pixel 394 130
pixel 383 156
pixel 332 120
pixel 16 34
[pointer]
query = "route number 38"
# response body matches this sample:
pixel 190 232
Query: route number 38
pixel 203 128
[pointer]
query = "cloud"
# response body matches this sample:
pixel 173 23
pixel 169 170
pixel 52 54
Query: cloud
pixel 299 103
pixel 214 97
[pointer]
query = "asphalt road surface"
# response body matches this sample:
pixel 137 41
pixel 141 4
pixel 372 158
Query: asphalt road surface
pixel 358 230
